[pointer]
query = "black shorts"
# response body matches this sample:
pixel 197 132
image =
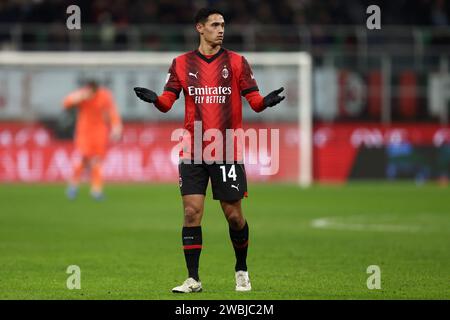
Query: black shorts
pixel 229 182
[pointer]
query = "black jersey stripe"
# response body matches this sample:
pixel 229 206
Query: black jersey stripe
pixel 193 65
pixel 248 90
pixel 177 92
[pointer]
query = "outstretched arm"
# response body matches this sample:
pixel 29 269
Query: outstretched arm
pixel 163 102
pixel 259 103
pixel 114 118
pixel 76 97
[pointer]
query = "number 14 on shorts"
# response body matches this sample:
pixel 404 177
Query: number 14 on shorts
pixel 231 173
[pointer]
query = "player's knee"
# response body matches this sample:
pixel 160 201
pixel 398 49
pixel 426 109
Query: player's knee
pixel 192 214
pixel 235 220
pixel 85 161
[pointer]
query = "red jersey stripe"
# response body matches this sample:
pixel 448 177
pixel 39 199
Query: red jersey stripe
pixel 212 87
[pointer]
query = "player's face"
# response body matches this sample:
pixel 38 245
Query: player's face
pixel 213 30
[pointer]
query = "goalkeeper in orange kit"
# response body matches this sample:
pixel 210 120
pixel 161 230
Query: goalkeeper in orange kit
pixel 98 122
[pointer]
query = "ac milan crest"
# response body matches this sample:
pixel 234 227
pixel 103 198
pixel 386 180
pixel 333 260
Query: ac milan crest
pixel 225 72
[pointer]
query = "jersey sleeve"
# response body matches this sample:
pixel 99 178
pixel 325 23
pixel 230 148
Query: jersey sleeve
pixel 173 84
pixel 249 88
pixel 165 101
pixel 172 89
pixel 112 110
pixel 74 98
pixel 247 82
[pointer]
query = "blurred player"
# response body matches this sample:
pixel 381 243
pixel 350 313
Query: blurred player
pixel 213 80
pixel 97 122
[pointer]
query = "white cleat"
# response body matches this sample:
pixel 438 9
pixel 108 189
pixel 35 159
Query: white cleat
pixel 243 281
pixel 71 192
pixel 188 286
pixel 97 195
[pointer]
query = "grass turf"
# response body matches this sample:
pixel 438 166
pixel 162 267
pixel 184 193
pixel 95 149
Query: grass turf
pixel 129 246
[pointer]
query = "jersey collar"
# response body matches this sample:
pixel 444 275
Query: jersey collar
pixel 214 57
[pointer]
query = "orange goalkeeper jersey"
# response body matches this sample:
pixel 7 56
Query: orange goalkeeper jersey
pixel 96 116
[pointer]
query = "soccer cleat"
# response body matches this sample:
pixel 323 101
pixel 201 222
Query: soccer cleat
pixel 71 192
pixel 97 195
pixel 243 281
pixel 188 286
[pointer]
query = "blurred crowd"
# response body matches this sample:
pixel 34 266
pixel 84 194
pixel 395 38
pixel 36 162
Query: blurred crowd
pixel 329 12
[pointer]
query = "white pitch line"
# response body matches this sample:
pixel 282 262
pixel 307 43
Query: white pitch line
pixel 327 223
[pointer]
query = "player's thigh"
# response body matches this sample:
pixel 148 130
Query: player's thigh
pixel 228 181
pixel 95 160
pixel 84 161
pixel 193 179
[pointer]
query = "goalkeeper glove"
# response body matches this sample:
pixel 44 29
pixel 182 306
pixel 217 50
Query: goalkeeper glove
pixel 146 94
pixel 116 133
pixel 273 98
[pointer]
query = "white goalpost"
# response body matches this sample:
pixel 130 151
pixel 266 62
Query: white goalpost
pixel 304 64
pixel 300 60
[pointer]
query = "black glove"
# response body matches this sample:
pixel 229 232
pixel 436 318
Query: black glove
pixel 146 94
pixel 273 98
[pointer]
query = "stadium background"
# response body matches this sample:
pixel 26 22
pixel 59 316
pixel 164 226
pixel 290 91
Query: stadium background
pixel 381 111
pixel 384 114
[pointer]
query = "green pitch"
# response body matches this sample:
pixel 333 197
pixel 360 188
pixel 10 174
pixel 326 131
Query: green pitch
pixel 304 244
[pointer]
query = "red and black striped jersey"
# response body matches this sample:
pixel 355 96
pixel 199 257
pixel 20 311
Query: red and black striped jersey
pixel 212 86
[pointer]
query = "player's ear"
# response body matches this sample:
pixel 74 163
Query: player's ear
pixel 199 26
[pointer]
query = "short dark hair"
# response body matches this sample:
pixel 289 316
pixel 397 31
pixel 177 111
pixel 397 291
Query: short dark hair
pixel 204 13
pixel 92 83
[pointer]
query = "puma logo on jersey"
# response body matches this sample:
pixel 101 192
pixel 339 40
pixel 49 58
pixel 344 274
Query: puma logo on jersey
pixel 236 187
pixel 193 74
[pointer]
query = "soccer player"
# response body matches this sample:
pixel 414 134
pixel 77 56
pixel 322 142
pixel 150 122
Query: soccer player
pixel 213 80
pixel 97 122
